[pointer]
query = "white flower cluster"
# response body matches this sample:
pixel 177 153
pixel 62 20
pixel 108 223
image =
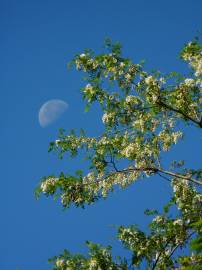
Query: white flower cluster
pixel 128 77
pixel 85 62
pixel 178 222
pixel 162 80
pixel 130 236
pixel 189 82
pixel 95 263
pixel 48 184
pixel 72 140
pixel 83 55
pixel 104 141
pixel 64 199
pixel 150 80
pixel 132 100
pixel 154 124
pixel 60 262
pixel 88 140
pixel 197 198
pixel 92 264
pixel 89 178
pixel 152 88
pixel 199 84
pixel 102 144
pixel 169 138
pixel 154 98
pixel 130 150
pixel 158 219
pixel 57 142
pixel 186 196
pixel 108 117
pixel 63 264
pixel 126 179
pixel 176 136
pixel 195 61
pixel 139 123
pixel 89 89
pixel 130 178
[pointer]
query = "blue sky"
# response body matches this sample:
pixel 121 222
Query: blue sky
pixel 38 38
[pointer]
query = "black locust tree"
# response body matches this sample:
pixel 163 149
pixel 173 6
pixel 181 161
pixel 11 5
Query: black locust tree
pixel 142 113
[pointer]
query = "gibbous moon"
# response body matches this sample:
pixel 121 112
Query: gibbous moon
pixel 50 111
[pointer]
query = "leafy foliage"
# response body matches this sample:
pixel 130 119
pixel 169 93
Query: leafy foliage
pixel 141 121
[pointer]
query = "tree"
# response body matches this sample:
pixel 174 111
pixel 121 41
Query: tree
pixel 141 121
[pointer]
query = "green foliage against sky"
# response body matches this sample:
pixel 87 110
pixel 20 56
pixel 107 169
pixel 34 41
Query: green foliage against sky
pixel 143 114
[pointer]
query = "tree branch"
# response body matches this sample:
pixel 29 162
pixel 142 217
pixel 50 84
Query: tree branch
pixel 159 256
pixel 156 170
pixel 172 251
pixel 163 104
pixel 181 176
pixel 145 169
pixel 178 245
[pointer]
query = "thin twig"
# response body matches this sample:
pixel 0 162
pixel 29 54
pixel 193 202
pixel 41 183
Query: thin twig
pixel 164 177
pixel 163 104
pixel 178 245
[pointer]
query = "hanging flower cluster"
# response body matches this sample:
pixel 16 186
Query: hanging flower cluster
pixel 141 120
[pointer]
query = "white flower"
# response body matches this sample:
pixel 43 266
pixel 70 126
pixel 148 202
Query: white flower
pixel 78 64
pixel 198 197
pixel 83 55
pixel 93 263
pixel 158 219
pixel 132 99
pixel 178 221
pixel 89 178
pixel 175 188
pixel 129 150
pixel 128 76
pixel 129 99
pixel 176 136
pixel 139 124
pixel 199 83
pixel 154 98
pixel 48 184
pixel 107 117
pixel 104 141
pixel 189 82
pixel 162 80
pixel 104 117
pixel 89 89
pixel 149 80
pixel 64 199
pixel 171 122
pixel 60 262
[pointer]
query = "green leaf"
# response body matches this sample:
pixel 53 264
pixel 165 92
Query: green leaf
pixel 87 107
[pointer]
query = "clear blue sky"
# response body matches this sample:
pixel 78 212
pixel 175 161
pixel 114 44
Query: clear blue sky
pixel 38 38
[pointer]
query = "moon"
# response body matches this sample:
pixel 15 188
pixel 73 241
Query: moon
pixel 50 111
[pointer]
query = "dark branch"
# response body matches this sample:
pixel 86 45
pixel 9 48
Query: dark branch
pixel 163 104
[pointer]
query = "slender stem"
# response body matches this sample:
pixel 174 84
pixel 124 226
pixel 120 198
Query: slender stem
pixel 159 256
pixel 164 177
pixel 156 170
pixel 173 250
pixel 163 104
pixel 178 245
pixel 180 176
pixel 145 169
